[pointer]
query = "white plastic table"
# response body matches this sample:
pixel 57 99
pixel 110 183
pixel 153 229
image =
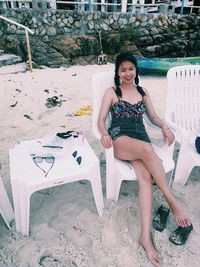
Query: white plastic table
pixel 26 178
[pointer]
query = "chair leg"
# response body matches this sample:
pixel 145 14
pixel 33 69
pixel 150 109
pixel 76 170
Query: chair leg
pixel 4 217
pixel 113 187
pixel 170 178
pixel 5 206
pixel 183 169
pixel 97 189
pixel 117 189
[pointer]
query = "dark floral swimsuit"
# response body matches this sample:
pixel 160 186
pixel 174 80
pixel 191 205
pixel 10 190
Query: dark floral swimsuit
pixel 127 120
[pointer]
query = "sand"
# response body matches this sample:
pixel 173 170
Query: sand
pixel 65 229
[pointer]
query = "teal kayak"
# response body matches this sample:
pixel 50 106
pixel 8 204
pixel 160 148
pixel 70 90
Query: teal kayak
pixel 162 65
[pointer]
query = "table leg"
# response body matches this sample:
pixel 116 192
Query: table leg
pixel 5 206
pixel 24 208
pixel 15 194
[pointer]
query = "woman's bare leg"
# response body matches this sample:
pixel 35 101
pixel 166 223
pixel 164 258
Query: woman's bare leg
pixel 132 149
pixel 145 196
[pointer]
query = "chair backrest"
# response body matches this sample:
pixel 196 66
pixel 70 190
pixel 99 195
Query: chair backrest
pixel 183 96
pixel 100 82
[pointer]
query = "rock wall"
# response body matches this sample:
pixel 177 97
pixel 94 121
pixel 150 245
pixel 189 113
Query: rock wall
pixel 66 37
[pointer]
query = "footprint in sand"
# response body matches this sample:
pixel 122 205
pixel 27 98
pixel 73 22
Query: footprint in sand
pixel 109 237
pixel 81 239
pixel 49 260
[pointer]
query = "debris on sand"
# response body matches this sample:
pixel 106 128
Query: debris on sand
pixel 53 102
pixel 28 117
pixel 13 105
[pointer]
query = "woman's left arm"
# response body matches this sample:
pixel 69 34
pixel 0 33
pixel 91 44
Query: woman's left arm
pixel 168 135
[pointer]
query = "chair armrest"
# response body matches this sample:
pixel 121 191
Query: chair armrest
pixel 110 156
pixel 182 133
pixel 150 123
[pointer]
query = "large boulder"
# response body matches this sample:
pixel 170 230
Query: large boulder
pixel 76 46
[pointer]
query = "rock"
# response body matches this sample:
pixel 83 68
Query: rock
pixel 92 59
pixel 51 31
pixel 105 27
pixel 61 25
pixel 115 25
pixel 74 46
pixel 45 21
pixel 42 54
pixel 132 48
pixel 70 19
pixel 144 41
pixel 43 32
pixel 90 16
pixel 112 43
pixel 157 39
pixel 115 16
pixel 77 24
pixel 132 20
pixel 91 24
pixel 11 44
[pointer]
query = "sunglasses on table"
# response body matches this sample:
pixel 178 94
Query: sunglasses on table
pixel 68 134
pixel 40 159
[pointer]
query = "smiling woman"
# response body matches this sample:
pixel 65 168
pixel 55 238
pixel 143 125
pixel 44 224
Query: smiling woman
pixel 127 134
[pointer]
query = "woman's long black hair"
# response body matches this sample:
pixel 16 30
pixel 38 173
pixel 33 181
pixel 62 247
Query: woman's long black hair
pixel 126 56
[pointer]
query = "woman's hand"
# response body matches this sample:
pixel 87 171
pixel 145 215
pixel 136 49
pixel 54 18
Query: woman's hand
pixel 106 141
pixel 168 135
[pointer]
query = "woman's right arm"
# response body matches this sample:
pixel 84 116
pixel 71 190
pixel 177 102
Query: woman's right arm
pixel 105 106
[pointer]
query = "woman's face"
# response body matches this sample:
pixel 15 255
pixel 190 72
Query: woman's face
pixel 127 72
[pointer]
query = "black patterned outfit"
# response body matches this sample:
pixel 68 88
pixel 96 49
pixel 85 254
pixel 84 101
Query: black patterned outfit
pixel 127 120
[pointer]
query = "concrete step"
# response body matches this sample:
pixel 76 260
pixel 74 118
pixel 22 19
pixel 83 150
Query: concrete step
pixel 9 59
pixel 10 63
pixel 15 68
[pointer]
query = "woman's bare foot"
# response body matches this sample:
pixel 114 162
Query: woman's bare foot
pixel 180 216
pixel 152 253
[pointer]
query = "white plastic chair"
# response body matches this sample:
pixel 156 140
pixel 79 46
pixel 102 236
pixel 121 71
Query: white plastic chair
pixel 183 114
pixel 118 170
pixel 6 209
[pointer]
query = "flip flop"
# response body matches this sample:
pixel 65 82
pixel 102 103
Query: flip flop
pixel 53 102
pixel 180 235
pixel 160 218
pixel 81 112
pixel 87 108
pixel 68 134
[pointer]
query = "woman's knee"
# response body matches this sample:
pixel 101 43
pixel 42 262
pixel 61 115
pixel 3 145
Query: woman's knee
pixel 148 151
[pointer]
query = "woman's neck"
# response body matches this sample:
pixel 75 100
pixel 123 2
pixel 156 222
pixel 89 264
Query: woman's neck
pixel 127 86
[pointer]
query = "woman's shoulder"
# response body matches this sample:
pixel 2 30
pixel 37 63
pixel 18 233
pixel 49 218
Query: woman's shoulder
pixel 110 91
pixel 110 95
pixel 145 91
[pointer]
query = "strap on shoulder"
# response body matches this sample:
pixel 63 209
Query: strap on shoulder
pixel 115 93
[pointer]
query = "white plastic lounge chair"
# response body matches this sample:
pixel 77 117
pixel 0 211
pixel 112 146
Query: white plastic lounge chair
pixel 5 207
pixel 117 170
pixel 183 114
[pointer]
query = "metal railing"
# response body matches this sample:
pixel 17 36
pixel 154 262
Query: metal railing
pixel 134 6
pixel 27 30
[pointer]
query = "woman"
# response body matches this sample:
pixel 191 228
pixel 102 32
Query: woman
pixel 127 134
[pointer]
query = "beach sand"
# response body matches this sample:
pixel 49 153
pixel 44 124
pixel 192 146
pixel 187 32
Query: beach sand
pixel 65 229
